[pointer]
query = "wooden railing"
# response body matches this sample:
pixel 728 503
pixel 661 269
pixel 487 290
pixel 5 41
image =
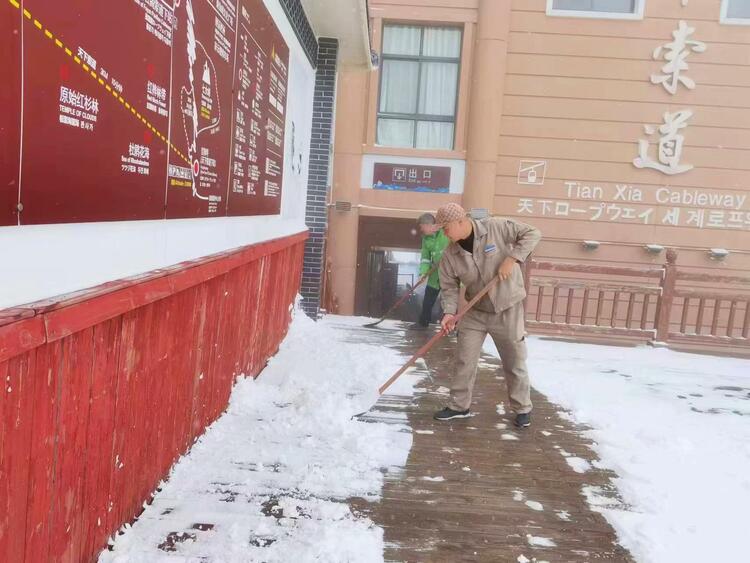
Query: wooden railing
pixel 704 317
pixel 651 303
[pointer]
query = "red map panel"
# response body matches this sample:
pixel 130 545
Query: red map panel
pixel 202 63
pixel 10 115
pixel 91 145
pixel 260 86
pixel 126 110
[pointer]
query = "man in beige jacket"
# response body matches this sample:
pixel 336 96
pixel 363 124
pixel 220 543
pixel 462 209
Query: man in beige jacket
pixel 479 250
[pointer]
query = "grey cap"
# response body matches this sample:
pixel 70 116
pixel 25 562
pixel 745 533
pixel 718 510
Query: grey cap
pixel 426 219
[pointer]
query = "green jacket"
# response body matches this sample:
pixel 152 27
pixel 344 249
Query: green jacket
pixel 432 250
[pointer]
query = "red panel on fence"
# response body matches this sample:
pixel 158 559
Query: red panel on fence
pixel 15 437
pixel 94 413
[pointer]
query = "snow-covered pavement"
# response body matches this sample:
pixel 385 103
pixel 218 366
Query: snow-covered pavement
pixel 675 427
pixel 269 480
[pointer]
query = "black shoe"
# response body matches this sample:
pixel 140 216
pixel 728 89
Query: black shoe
pixel 417 326
pixel 448 414
pixel 523 420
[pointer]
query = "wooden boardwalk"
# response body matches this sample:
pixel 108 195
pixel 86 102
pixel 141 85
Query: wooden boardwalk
pixel 478 489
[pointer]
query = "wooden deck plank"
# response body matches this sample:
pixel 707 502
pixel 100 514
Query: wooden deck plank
pixel 474 512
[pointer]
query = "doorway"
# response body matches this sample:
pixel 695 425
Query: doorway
pixel 388 258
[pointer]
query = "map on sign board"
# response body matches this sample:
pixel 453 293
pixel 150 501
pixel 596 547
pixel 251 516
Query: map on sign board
pixel 128 110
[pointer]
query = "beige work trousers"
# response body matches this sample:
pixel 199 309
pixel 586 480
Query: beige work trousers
pixel 507 331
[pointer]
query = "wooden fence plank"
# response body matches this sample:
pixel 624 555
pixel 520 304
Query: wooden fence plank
pixel 44 451
pixel 685 311
pixel 16 397
pixel 100 440
pixel 584 306
pixel 629 314
pixel 68 518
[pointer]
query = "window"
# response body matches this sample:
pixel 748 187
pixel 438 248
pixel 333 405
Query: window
pixel 418 86
pixel 613 9
pixel 735 11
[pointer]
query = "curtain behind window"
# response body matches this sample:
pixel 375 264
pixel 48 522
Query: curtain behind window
pixel 412 87
pixel 614 6
pixel 738 9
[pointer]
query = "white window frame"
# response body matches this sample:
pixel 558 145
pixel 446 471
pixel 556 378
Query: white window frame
pixel 417 117
pixel 730 21
pixel 640 6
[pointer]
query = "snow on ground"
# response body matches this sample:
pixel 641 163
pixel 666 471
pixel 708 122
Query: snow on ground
pixel 269 480
pixel 675 428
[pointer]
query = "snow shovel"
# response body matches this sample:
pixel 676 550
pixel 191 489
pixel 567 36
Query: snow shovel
pixel 431 342
pixel 406 296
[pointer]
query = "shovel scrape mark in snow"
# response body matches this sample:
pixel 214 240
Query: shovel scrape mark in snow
pixel 272 509
pixel 272 467
pixel 229 495
pixel 259 541
pixel 171 541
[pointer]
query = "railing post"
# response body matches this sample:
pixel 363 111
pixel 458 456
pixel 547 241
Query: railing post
pixel 666 299
pixel 526 268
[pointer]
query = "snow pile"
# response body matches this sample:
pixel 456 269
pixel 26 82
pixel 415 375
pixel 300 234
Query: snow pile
pixel 675 428
pixel 271 477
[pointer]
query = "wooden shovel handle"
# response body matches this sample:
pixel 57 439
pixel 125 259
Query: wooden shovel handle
pixel 431 342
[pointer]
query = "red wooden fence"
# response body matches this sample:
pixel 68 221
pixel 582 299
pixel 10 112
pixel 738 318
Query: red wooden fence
pixel 103 390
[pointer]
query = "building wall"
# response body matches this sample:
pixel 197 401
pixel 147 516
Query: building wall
pixel 574 94
pixel 578 94
pixel 355 145
pixel 316 216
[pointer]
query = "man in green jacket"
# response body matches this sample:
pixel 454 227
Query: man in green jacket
pixel 434 243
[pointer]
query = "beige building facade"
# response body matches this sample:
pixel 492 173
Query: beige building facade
pixel 620 128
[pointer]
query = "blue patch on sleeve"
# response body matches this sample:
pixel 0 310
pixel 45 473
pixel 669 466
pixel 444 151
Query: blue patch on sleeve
pixel 490 248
